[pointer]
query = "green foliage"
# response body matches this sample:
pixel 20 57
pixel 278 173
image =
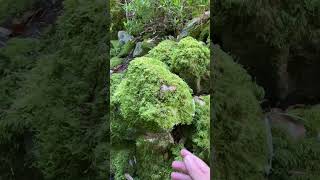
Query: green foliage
pixel 62 101
pixel 121 163
pixel 238 122
pixel 170 15
pixel 126 49
pixel 115 61
pixel 201 120
pixel 298 159
pixel 146 103
pixel 279 23
pixel 117 17
pixel 16 59
pixel 14 8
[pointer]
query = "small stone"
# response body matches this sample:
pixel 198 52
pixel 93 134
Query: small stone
pixel 124 37
pixel 128 176
pixel 137 50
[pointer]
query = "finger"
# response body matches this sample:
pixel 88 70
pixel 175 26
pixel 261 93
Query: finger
pixel 185 152
pixel 192 167
pixel 179 176
pixel 179 166
pixel 201 164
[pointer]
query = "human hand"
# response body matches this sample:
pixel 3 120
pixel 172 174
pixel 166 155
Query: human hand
pixel 191 168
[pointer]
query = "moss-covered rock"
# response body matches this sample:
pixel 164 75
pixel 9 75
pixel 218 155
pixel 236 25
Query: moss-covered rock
pixel 153 155
pixel 191 61
pixel 201 137
pixel 122 163
pixel 152 97
pixel 164 51
pixel 239 138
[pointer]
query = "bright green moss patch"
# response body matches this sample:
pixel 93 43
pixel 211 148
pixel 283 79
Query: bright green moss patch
pixel 189 59
pixel 153 158
pixel 201 137
pixel 154 98
pixel 164 51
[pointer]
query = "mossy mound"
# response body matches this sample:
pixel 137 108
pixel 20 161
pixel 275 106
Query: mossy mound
pixel 152 97
pixel 189 58
pixel 298 159
pixel 202 123
pixel 239 138
pixel 164 51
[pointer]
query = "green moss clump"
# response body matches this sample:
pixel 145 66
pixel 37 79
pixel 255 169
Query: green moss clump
pixel 239 138
pixel 152 97
pixel 164 51
pixel 201 138
pixel 153 156
pixel 191 61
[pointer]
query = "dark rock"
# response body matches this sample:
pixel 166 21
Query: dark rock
pixel 292 126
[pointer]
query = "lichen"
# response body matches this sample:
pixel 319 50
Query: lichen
pixel 152 97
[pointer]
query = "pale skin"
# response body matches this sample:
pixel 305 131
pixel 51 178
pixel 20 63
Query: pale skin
pixel 191 168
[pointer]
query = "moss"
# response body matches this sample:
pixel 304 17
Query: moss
pixel 122 162
pixel 115 61
pixel 191 61
pixel 153 156
pixel 301 156
pixel 201 138
pixel 152 97
pixel 164 51
pixel 126 49
pixel 239 136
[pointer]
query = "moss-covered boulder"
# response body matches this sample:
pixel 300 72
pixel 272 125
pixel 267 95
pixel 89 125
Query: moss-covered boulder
pixel 154 155
pixel 239 138
pixel 201 120
pixel 191 60
pixel 188 58
pixel 164 51
pixel 152 97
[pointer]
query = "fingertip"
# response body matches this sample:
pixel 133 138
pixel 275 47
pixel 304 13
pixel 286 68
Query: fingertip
pixel 184 152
